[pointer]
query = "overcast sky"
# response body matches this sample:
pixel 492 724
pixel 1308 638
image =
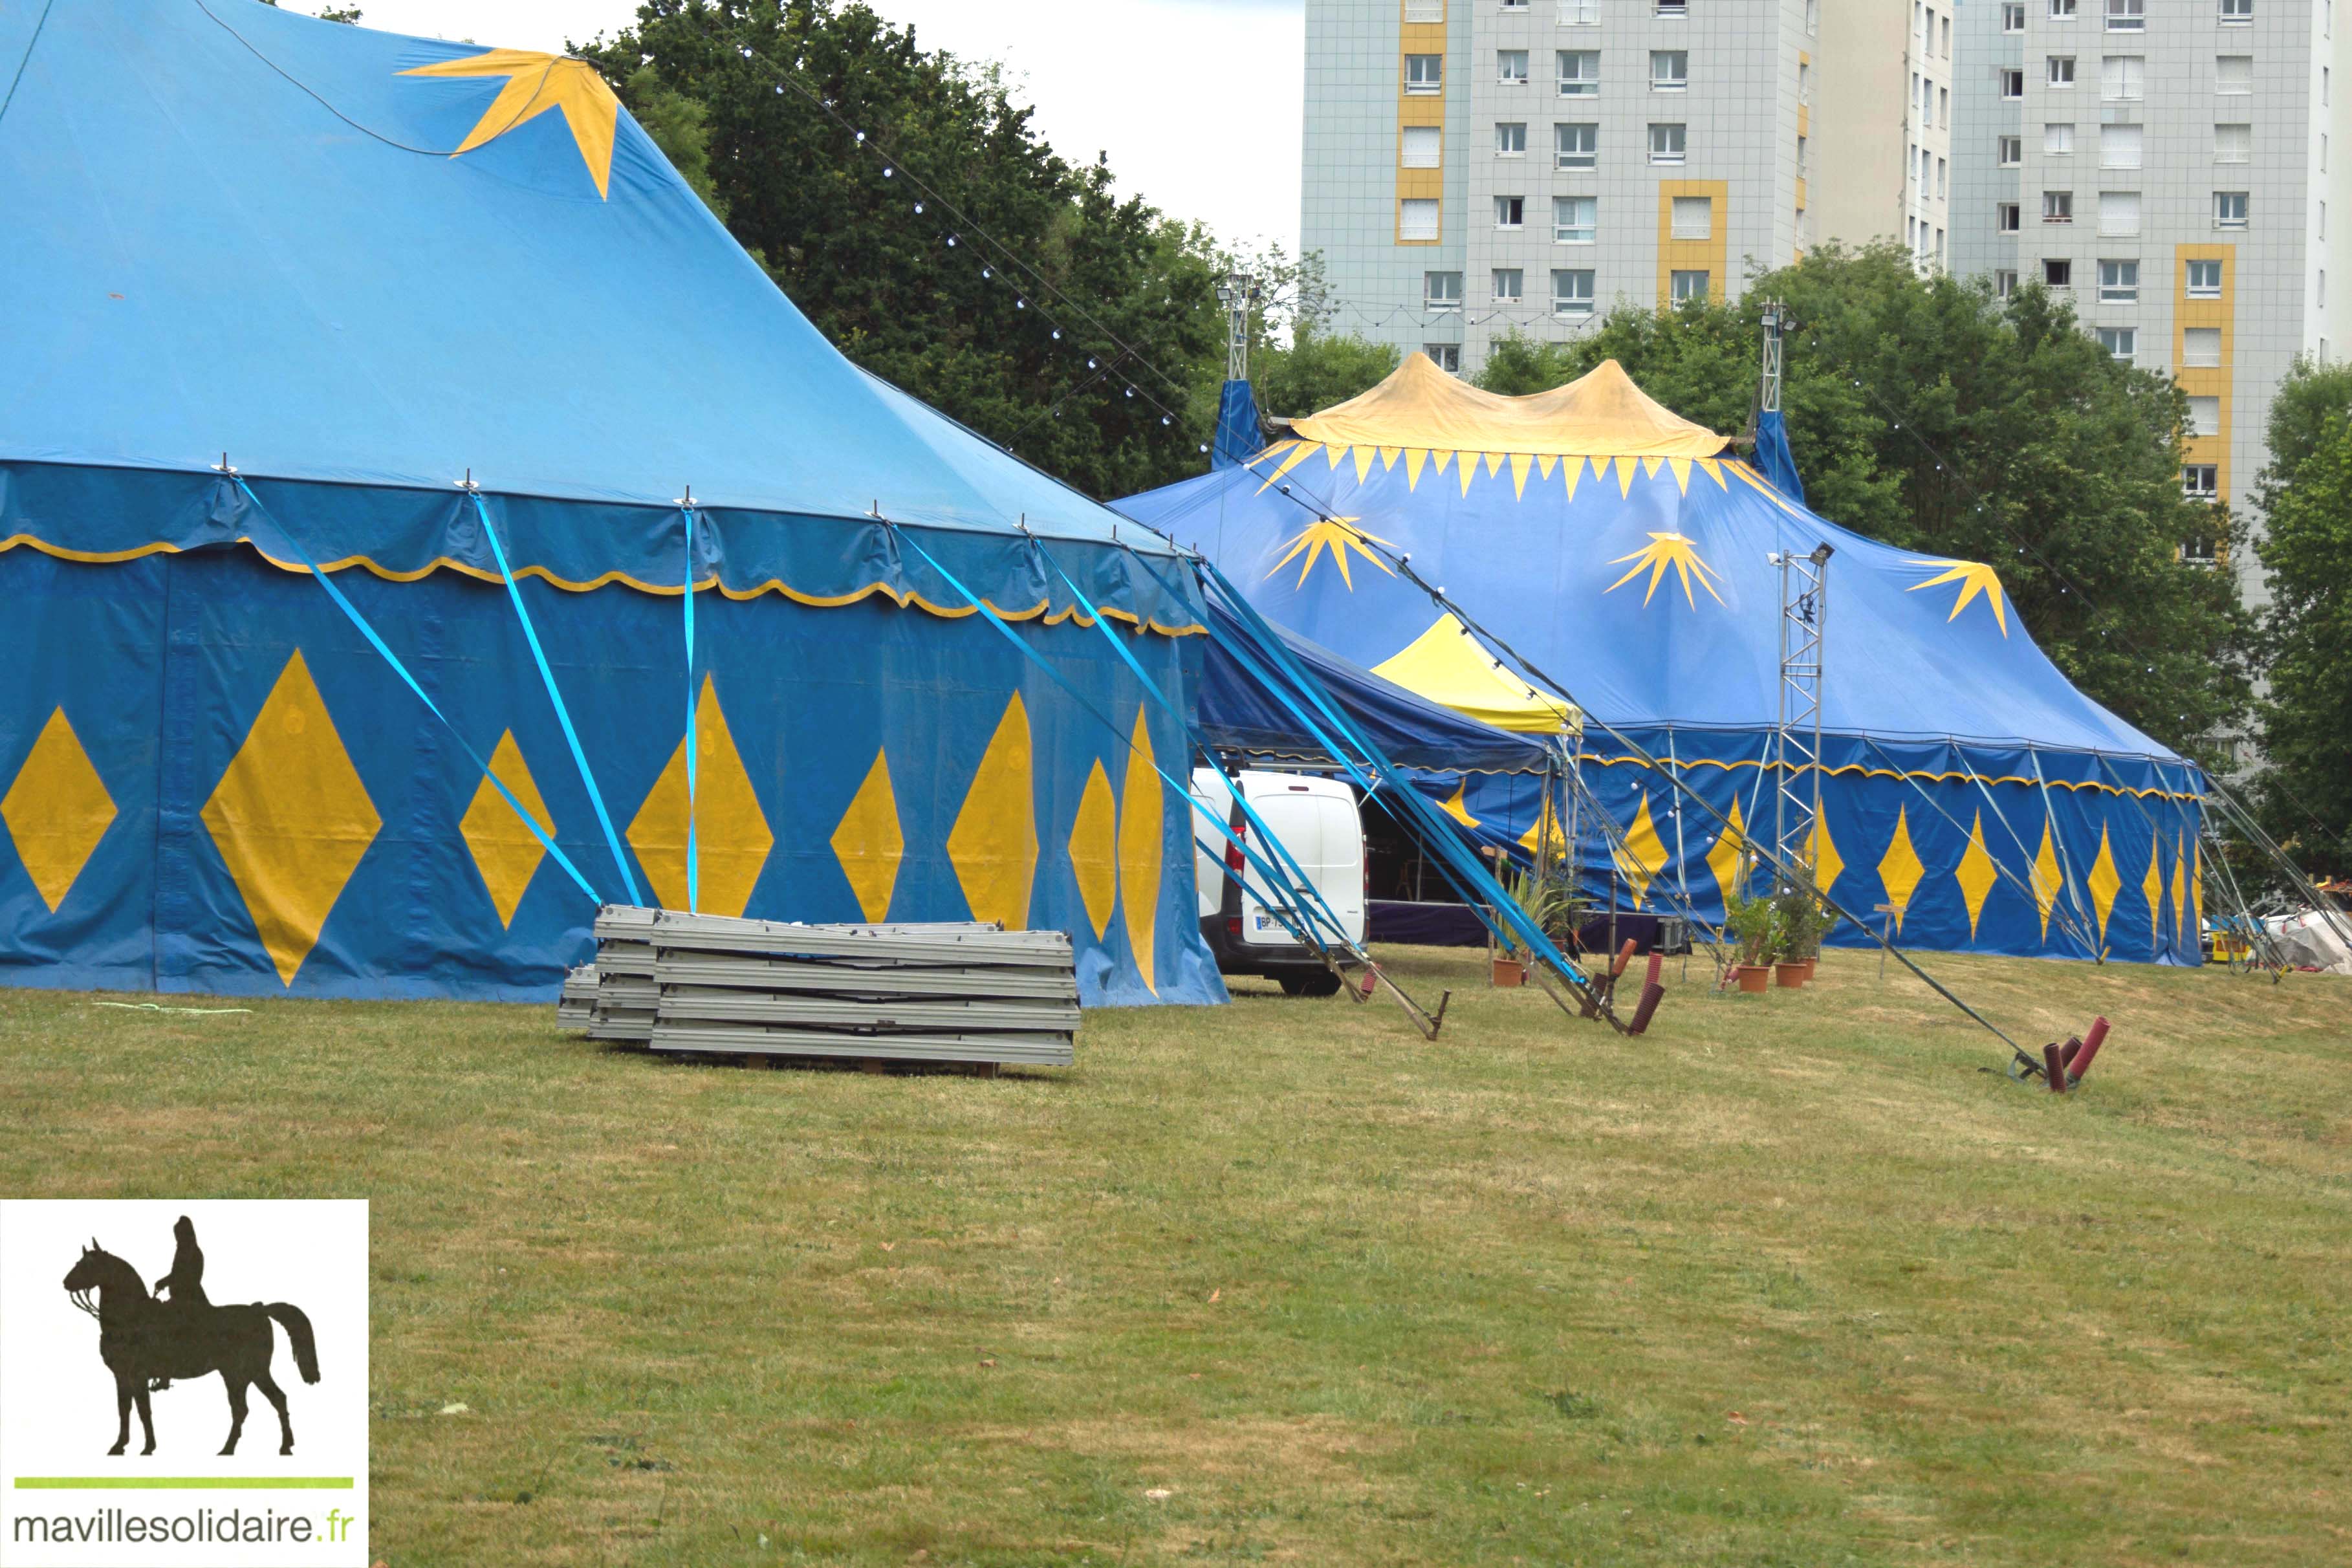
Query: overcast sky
pixel 1197 101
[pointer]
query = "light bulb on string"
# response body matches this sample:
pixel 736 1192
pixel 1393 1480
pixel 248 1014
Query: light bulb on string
pixel 952 238
pixel 919 207
pixel 1057 334
pixel 986 273
pixel 887 171
pixel 861 137
pixel 1019 303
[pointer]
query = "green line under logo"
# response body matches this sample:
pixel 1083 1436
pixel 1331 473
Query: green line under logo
pixel 182 1483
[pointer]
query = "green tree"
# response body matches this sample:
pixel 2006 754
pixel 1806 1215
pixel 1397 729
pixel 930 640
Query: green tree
pixel 2310 395
pixel 1024 297
pixel 2305 715
pixel 1317 369
pixel 1924 412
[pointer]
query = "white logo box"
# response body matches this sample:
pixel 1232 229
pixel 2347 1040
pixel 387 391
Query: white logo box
pixel 65 1501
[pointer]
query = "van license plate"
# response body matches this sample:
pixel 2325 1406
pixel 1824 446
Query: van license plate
pixel 1267 922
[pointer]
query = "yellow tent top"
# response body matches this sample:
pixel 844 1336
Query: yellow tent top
pixel 1601 414
pixel 1447 665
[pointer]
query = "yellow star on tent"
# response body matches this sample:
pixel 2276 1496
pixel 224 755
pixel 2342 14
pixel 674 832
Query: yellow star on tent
pixel 1974 577
pixel 536 83
pixel 1330 533
pixel 1666 550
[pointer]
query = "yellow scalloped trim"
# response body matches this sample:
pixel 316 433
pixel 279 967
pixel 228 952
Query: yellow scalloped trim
pixel 1871 773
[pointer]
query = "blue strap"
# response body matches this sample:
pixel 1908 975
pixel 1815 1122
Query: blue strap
pixel 562 714
pixel 693 860
pixel 1103 626
pixel 401 670
pixel 1272 879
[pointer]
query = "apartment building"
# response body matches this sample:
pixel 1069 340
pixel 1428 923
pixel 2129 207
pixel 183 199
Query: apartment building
pixel 2169 165
pixel 1479 167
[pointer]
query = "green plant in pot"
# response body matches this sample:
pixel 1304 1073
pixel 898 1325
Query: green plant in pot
pixel 1753 920
pixel 1804 920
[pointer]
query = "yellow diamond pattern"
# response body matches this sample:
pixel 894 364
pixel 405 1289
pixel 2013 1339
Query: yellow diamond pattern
pixel 993 846
pixel 1457 807
pixel 732 837
pixel 2104 883
pixel 1976 874
pixel 2179 885
pixel 291 819
pixel 1141 828
pixel 2196 882
pixel 2153 886
pixel 1643 855
pixel 1094 850
pixel 57 810
pixel 1822 855
pixel 1546 833
pixel 869 843
pixel 2045 876
pixel 1723 860
pixel 1899 868
pixel 504 851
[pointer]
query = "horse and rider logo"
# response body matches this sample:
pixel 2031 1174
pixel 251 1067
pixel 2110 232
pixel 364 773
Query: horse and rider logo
pixel 149 1341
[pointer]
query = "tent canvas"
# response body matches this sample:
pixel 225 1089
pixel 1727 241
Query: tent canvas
pixel 277 286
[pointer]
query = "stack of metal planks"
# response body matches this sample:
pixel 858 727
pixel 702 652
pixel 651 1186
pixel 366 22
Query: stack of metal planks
pixel 965 993
pixel 577 1007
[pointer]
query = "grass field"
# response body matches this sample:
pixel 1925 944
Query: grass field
pixel 1791 1281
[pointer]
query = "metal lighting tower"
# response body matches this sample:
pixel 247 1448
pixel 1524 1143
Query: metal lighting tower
pixel 1237 293
pixel 1797 734
pixel 1768 399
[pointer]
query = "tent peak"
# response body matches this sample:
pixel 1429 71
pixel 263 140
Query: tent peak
pixel 1601 414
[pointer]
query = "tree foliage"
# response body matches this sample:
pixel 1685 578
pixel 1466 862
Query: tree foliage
pixel 1926 414
pixel 2305 791
pixel 970 326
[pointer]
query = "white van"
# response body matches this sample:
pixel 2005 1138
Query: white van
pixel 1318 822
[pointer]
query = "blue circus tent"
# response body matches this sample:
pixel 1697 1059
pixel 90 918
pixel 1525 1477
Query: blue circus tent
pixel 1968 786
pixel 279 291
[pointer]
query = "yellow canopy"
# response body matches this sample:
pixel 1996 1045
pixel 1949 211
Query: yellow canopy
pixel 1601 414
pixel 1447 665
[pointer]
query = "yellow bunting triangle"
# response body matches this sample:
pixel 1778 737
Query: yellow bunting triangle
pixel 1571 469
pixel 1624 477
pixel 1363 462
pixel 1413 458
pixel 1519 462
pixel 1680 468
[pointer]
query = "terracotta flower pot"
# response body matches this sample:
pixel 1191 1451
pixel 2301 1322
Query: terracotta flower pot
pixel 1809 966
pixel 1508 971
pixel 1789 976
pixel 1755 978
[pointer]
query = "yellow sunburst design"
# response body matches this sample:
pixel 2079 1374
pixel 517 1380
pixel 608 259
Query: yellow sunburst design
pixel 536 83
pixel 1666 550
pixel 1974 577
pixel 1330 533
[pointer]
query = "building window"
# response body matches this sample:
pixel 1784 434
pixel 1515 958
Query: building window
pixel 2057 272
pixel 1687 286
pixel 1669 71
pixel 2229 209
pixel 1804 82
pixel 1509 285
pixel 1416 220
pixel 2012 16
pixel 2004 282
pixel 1813 17
pixel 2126 16
pixel 2119 283
pixel 2123 78
pixel 1424 10
pixel 2012 151
pixel 2201 348
pixel 1446 357
pixel 2204 416
pixel 1692 217
pixel 1576 146
pixel 2201 481
pixel 1943 179
pixel 2205 280
pixel 2012 85
pixel 1422 144
pixel 1511 67
pixel 2233 74
pixel 2119 212
pixel 1424 74
pixel 2057 141
pixel 1575 220
pixel 1510 139
pixel 1515 4
pixel 2121 342
pixel 2057 206
pixel 2235 143
pixel 2005 216
pixel 2062 10
pixel 1510 212
pixel 1580 13
pixel 1674 7
pixel 1804 166
pixel 1944 106
pixel 2237 13
pixel 1572 293
pixel 2058 70
pixel 1440 291
pixel 2320 302
pixel 1580 73
pixel 1665 144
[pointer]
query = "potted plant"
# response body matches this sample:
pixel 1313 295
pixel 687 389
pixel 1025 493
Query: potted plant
pixel 1549 903
pixel 1754 922
pixel 1804 920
